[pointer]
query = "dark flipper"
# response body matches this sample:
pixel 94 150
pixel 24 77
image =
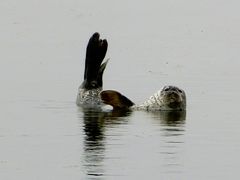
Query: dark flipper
pixel 95 53
pixel 100 73
pixel 115 99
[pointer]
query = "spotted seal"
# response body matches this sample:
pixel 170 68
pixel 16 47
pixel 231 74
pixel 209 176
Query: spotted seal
pixel 90 92
pixel 167 99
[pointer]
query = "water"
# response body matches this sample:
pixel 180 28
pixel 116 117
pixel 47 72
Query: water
pixel 191 44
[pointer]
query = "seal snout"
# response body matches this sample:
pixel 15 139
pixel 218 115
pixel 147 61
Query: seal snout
pixel 173 96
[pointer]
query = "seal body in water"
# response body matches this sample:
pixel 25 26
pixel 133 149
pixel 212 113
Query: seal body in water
pixel 167 99
pixel 88 92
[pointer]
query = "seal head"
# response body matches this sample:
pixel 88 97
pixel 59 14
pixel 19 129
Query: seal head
pixel 173 98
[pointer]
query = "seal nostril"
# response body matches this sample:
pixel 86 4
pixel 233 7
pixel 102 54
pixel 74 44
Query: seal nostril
pixel 173 95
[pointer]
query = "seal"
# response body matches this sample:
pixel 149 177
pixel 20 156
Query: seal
pixel 169 98
pixel 90 94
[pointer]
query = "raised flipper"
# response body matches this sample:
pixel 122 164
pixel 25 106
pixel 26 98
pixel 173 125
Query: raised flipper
pixel 115 99
pixel 94 68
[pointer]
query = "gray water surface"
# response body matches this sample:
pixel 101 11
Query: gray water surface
pixel 191 44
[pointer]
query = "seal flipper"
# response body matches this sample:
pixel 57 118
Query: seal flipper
pixel 95 53
pixel 100 73
pixel 115 99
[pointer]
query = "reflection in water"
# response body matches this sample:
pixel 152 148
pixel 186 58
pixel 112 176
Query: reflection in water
pixel 172 128
pixel 173 118
pixel 95 124
pixel 168 134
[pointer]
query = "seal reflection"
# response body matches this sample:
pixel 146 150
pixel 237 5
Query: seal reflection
pixel 172 131
pixel 95 125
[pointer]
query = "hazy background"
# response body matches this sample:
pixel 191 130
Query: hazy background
pixel 191 44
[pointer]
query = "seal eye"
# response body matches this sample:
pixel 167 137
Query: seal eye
pixel 179 90
pixel 167 89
